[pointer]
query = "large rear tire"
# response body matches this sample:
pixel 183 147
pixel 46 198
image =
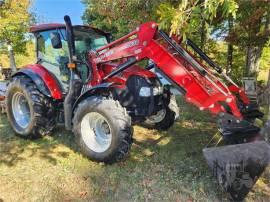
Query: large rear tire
pixel 103 129
pixel 29 112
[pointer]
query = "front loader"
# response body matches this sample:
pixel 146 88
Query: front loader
pixel 98 91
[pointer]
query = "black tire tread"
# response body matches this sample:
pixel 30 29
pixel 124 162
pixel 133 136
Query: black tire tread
pixel 120 116
pixel 167 122
pixel 172 113
pixel 44 119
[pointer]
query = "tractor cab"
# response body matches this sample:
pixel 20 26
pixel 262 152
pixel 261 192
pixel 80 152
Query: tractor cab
pixel 53 52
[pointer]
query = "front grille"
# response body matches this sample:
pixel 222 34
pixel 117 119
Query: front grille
pixel 144 106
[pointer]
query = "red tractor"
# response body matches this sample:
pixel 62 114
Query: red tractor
pixel 94 87
pixel 68 85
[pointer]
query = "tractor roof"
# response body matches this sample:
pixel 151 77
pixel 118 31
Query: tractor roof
pixel 44 27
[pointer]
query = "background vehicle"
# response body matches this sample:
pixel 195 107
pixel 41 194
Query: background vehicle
pixel 98 91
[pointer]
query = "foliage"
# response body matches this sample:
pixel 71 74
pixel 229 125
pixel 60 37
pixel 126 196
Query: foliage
pixel 22 59
pixel 14 20
pixel 185 17
pixel 251 29
pixel 217 51
pixel 119 16
pixel 252 24
pixel 251 33
pixel 265 60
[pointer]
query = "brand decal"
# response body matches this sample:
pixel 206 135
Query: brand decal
pixel 106 54
pixel 129 44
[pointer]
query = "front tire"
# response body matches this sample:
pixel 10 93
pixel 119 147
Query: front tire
pixel 165 118
pixel 29 112
pixel 103 129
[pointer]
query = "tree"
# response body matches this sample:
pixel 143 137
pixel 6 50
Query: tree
pixel 14 21
pixel 252 31
pixel 246 24
pixel 229 47
pixel 185 17
pixel 119 16
pixel 242 25
pixel 257 37
pixel 266 129
pixel 266 96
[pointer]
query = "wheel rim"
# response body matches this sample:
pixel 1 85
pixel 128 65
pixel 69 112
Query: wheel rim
pixel 21 110
pixel 157 117
pixel 96 132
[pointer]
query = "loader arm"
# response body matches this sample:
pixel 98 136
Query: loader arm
pixel 203 89
pixel 199 86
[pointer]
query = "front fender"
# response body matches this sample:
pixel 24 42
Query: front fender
pixel 96 90
pixel 44 80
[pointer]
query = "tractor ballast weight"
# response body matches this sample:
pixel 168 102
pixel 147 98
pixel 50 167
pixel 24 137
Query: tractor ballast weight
pixel 117 92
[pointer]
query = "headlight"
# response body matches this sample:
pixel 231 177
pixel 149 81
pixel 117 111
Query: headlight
pixel 146 91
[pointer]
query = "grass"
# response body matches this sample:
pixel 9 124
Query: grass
pixel 162 166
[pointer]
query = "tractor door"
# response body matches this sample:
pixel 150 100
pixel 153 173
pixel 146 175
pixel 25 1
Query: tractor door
pixel 54 59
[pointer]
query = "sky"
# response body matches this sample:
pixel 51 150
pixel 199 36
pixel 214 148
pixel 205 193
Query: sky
pixel 49 11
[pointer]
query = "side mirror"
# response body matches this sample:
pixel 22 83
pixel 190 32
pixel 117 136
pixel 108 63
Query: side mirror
pixel 56 40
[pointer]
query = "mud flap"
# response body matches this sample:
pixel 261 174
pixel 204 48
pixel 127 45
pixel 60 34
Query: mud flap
pixel 238 167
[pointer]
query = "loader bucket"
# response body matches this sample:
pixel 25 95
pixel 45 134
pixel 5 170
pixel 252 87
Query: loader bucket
pixel 237 167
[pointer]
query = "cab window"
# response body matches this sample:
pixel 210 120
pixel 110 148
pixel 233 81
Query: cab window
pixel 45 50
pixel 88 39
pixel 54 60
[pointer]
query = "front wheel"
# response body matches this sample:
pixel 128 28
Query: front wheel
pixel 103 129
pixel 165 118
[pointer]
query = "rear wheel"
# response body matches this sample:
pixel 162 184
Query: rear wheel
pixel 103 129
pixel 30 113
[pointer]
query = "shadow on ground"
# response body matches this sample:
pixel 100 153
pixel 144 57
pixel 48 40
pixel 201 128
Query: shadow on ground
pixel 162 166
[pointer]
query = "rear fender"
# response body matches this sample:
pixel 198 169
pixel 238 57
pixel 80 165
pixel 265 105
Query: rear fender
pixel 45 82
pixel 104 88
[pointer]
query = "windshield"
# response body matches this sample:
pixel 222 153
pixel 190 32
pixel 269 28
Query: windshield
pixel 88 39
